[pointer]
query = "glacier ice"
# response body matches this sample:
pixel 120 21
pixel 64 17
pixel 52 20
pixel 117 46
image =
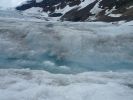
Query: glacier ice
pixel 70 47
pixel 28 84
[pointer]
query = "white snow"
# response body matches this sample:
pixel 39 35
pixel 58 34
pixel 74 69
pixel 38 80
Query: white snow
pixel 35 11
pixel 6 4
pixel 115 15
pixel 107 12
pixel 80 6
pixel 27 84
pixel 96 9
pixel 130 7
pixel 64 10
pixel 38 1
pixel 85 3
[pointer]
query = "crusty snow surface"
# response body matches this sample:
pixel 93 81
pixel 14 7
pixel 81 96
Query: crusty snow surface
pixel 40 85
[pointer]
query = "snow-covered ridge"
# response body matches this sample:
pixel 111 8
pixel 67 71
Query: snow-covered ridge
pixel 81 10
pixel 73 10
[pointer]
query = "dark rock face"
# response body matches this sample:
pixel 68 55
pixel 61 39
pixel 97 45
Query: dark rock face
pixel 79 15
pixel 76 14
pixel 55 15
pixel 49 5
pixel 121 7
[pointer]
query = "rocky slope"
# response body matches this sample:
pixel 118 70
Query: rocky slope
pixel 80 10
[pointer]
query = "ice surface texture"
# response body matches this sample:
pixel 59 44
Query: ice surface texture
pixel 41 85
pixel 66 47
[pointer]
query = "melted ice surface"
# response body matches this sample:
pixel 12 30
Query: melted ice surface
pixel 65 47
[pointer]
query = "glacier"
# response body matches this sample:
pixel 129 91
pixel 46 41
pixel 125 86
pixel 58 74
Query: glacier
pixel 65 47
pixel 51 60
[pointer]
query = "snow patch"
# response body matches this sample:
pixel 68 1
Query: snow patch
pixel 38 1
pixel 115 15
pixel 85 3
pixel 6 4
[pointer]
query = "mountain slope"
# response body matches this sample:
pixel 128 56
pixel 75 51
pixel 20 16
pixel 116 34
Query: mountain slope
pixel 81 10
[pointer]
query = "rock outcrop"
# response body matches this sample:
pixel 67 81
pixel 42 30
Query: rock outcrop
pixel 83 10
